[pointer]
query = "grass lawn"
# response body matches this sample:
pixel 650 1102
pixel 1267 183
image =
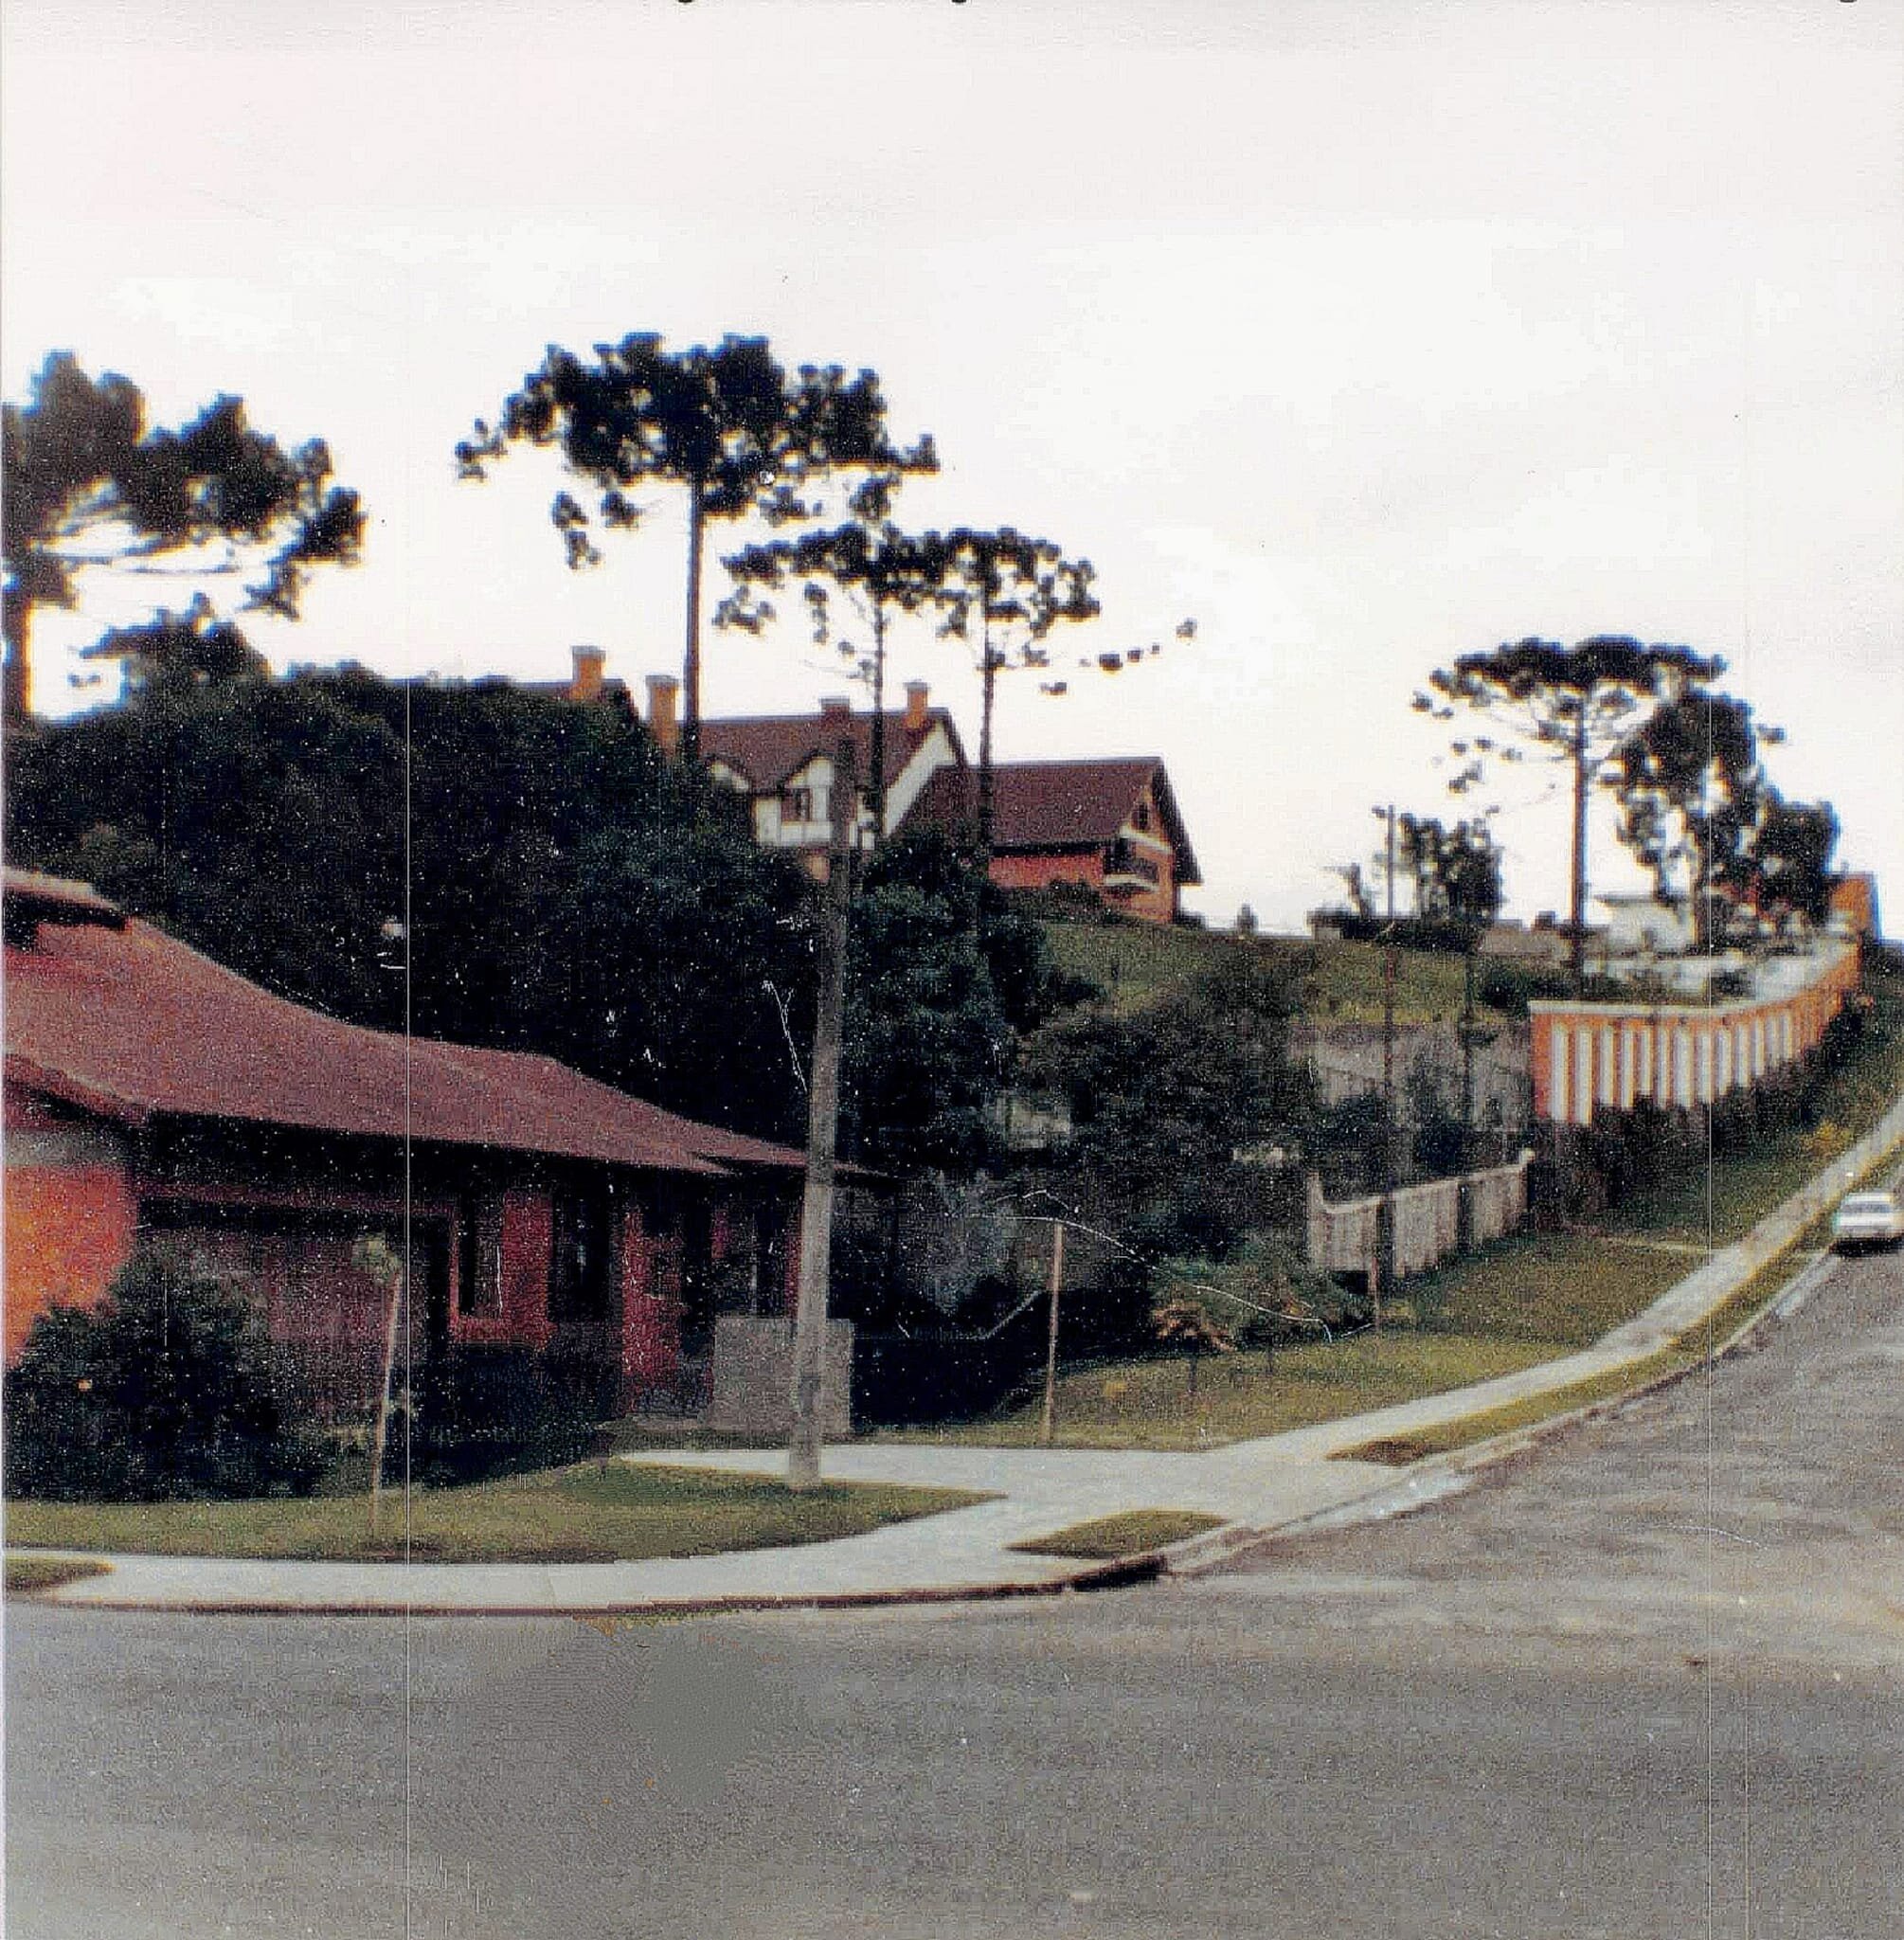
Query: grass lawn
pixel 1132 1534
pixel 1147 1404
pixel 27 1575
pixel 587 1514
pixel 1552 1291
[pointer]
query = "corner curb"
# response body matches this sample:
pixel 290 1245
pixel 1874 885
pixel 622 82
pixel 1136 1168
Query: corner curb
pixel 1118 1574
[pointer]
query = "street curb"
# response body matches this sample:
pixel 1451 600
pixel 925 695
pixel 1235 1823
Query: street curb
pixel 1120 1572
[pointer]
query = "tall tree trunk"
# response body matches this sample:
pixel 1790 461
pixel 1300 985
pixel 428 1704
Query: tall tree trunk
pixel 1576 922
pixel 18 614
pixel 988 687
pixel 691 659
pixel 875 785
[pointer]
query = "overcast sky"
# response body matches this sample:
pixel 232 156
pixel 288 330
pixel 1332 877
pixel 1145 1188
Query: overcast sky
pixel 1369 333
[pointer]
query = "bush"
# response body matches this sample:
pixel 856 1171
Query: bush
pixel 1510 987
pixel 481 1410
pixel 1264 1294
pixel 169 1389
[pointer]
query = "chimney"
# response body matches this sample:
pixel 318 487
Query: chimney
pixel 587 683
pixel 916 691
pixel 663 688
pixel 835 717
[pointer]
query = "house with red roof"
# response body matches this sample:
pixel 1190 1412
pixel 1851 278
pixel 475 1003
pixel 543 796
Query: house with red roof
pixel 784 763
pixel 152 1095
pixel 1109 825
pixel 1112 826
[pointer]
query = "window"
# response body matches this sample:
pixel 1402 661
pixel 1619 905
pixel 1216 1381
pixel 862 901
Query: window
pixel 479 1259
pixel 579 1256
pixel 797 805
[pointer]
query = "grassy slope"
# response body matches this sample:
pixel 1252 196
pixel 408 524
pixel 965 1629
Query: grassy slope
pixel 620 1512
pixel 1135 964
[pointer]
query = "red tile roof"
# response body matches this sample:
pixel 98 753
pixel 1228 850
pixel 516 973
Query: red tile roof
pixel 1058 805
pixel 129 1023
pixel 768 748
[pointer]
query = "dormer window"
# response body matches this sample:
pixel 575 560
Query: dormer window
pixel 797 805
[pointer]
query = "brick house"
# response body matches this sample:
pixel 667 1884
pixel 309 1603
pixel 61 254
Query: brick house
pixel 152 1095
pixel 1110 826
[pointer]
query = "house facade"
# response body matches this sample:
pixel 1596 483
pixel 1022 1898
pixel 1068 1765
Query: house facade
pixel 155 1097
pixel 1109 826
pixel 784 764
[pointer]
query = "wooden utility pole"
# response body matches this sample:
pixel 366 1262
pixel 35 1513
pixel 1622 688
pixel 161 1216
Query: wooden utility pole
pixel 822 1132
pixel 376 1256
pixel 1051 1335
pixel 1385 1218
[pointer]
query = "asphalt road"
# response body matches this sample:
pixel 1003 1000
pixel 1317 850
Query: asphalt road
pixel 1649 1681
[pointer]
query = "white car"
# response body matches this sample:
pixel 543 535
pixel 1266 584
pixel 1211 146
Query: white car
pixel 1868 1219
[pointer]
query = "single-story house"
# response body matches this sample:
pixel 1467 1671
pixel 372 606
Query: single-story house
pixel 152 1095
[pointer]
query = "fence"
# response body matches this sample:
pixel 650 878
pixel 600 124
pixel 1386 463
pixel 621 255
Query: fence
pixel 1432 1221
pixel 1593 1057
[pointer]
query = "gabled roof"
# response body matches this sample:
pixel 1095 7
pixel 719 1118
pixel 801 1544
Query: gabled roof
pixel 1059 806
pixel 767 749
pixel 130 1024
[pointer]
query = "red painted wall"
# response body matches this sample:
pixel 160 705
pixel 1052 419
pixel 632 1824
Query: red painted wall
pixel 69 1229
pixel 1033 871
pixel 527 1234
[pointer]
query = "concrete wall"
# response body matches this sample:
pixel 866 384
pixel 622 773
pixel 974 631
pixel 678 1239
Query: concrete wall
pixel 751 1381
pixel 1346 1062
pixel 1430 1222
pixel 1592 1058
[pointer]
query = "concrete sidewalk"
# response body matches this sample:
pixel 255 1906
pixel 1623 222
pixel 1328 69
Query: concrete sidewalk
pixel 1257 1488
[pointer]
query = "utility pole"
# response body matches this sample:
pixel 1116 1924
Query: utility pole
pixel 1391 865
pixel 822 1131
pixel 1051 1335
pixel 1385 1223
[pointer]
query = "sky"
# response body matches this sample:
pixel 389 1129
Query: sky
pixel 1367 333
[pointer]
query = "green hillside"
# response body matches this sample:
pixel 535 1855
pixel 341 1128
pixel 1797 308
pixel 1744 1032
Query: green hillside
pixel 1135 964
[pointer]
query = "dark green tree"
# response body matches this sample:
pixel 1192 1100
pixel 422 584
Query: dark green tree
pixel 729 424
pixel 89 485
pixel 1006 593
pixel 1456 871
pixel 1167 1102
pixel 568 892
pixel 943 979
pixel 190 649
pixel 1691 789
pixel 1576 706
pixel 1790 857
pixel 169 1389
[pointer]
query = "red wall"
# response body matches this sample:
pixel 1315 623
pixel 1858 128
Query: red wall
pixel 69 1229
pixel 1153 905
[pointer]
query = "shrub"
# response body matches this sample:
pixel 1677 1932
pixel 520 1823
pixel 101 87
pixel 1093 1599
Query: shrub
pixel 169 1389
pixel 1262 1295
pixel 483 1411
